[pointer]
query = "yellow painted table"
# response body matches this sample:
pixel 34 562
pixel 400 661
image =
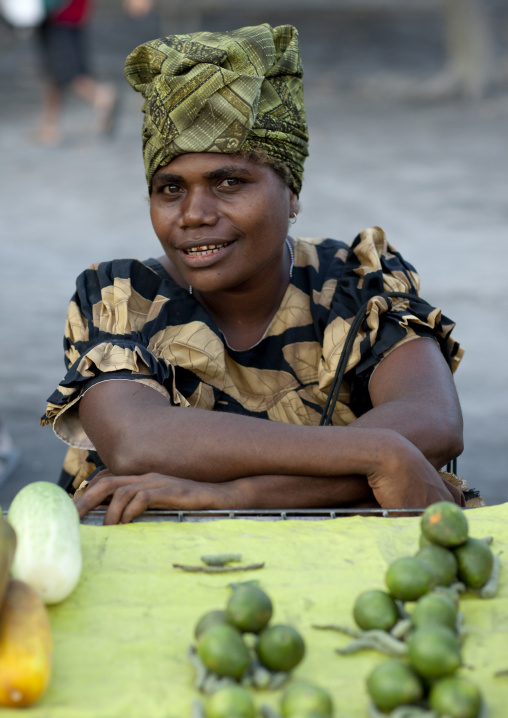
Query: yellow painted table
pixel 121 638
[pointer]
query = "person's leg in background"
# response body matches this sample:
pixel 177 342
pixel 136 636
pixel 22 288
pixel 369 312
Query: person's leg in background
pixel 66 67
pixel 9 455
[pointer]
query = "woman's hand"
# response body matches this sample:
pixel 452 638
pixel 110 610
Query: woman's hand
pixel 401 477
pixel 129 496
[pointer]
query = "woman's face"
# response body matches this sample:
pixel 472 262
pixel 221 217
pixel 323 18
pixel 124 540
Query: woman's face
pixel 222 220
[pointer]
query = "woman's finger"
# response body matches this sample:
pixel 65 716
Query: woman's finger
pixel 135 505
pixel 98 493
pixel 153 492
pixel 104 474
pixel 164 493
pixel 130 496
pixel 92 498
pixel 136 495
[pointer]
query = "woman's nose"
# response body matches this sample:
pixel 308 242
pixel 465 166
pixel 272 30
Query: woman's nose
pixel 198 208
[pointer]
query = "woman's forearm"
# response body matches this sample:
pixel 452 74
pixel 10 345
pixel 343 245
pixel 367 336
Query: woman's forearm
pixel 136 431
pixel 295 492
pixel 213 447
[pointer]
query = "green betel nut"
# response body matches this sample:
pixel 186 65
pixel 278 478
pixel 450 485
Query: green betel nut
pixel 223 651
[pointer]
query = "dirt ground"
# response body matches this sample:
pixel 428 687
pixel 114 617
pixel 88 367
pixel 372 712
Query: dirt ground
pixel 432 173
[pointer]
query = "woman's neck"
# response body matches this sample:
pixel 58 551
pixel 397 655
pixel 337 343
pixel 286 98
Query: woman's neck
pixel 243 314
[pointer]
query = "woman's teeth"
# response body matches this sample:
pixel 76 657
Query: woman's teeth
pixel 206 249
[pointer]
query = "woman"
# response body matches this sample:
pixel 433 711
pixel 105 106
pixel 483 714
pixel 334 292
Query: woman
pixel 198 380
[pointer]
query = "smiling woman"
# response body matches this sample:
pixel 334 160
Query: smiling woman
pixel 199 379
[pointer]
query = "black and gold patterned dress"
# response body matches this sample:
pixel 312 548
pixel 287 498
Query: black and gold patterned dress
pixel 128 319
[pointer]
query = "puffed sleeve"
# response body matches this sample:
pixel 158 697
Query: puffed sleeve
pixel 371 268
pixel 111 319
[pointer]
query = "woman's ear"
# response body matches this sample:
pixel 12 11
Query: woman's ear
pixel 294 204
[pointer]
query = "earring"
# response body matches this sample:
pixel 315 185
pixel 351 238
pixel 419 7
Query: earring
pixel 293 217
pixel 190 288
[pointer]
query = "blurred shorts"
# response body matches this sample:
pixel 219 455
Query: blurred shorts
pixel 64 52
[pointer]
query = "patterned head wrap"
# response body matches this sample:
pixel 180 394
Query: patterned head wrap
pixel 222 92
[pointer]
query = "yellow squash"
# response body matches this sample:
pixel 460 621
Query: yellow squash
pixel 25 646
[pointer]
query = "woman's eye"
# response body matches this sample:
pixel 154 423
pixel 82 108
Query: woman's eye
pixel 230 182
pixel 170 189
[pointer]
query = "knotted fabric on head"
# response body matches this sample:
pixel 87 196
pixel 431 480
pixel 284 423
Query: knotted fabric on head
pixel 222 92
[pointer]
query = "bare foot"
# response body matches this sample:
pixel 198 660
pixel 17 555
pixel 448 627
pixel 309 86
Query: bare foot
pixel 48 135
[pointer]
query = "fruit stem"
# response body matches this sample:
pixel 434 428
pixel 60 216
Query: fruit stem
pixel 373 640
pixel 489 589
pixel 383 644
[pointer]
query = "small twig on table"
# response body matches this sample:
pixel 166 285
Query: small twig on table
pixel 381 643
pixel 373 640
pixel 218 569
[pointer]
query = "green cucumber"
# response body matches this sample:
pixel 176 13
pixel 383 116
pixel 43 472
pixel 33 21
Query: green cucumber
pixel 48 554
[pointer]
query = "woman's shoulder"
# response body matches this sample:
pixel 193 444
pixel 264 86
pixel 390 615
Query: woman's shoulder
pixel 147 278
pixel 126 267
pixel 339 278
pixel 372 239
pixel 311 247
pixel 370 251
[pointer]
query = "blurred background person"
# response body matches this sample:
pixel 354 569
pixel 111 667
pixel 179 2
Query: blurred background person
pixel 138 8
pixel 66 64
pixel 9 455
pixel 63 40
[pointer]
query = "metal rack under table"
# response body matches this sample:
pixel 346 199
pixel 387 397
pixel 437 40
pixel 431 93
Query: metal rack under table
pixel 96 517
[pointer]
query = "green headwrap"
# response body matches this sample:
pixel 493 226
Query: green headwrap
pixel 222 92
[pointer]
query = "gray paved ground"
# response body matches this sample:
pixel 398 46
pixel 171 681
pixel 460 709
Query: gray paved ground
pixel 433 175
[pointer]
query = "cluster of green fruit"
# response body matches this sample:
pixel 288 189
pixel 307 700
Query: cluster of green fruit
pixel 299 700
pixel 237 648
pixel 428 628
pixel 238 644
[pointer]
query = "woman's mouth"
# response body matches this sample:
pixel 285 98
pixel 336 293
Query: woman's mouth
pixel 205 249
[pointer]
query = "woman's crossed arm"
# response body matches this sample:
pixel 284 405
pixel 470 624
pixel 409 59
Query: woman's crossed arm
pixel 160 456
